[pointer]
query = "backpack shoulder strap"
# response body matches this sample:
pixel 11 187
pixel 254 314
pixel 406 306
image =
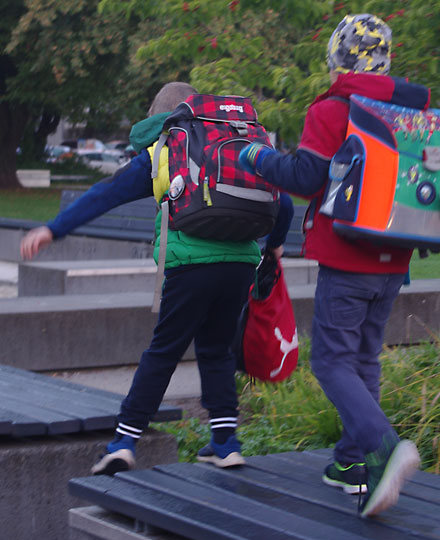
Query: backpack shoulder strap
pixel 161 258
pixel 155 165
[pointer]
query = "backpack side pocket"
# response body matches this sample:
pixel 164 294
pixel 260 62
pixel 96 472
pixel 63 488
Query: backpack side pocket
pixel 341 199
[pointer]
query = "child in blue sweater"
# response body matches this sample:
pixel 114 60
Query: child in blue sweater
pixel 191 306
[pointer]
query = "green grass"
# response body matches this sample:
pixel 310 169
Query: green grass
pixel 428 268
pixel 296 415
pixel 40 204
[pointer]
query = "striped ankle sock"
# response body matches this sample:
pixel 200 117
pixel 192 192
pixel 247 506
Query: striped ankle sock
pixel 131 431
pixel 222 428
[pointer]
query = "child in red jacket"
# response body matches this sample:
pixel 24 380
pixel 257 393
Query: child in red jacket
pixel 358 280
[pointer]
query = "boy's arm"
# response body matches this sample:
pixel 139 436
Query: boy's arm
pixel 306 173
pixel 128 184
pixel 277 237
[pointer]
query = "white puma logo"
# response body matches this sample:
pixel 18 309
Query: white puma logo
pixel 285 347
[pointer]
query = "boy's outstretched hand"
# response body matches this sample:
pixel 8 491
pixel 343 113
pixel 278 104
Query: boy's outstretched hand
pixel 35 240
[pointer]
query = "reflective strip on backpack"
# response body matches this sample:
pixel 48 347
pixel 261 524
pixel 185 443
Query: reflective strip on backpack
pixel 194 171
pixel 251 194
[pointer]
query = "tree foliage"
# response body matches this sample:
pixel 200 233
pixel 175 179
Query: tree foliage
pixel 63 58
pixel 70 58
pixel 273 51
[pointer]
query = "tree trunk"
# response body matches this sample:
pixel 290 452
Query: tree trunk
pixel 38 127
pixel 13 119
pixel 48 124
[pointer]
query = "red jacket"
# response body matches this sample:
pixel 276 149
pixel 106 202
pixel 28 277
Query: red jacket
pixel 307 173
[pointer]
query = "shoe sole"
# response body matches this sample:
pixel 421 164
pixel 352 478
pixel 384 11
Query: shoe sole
pixel 350 489
pixel 403 463
pixel 110 464
pixel 232 460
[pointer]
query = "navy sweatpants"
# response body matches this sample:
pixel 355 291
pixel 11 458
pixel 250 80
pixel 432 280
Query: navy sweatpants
pixel 202 302
pixel 351 311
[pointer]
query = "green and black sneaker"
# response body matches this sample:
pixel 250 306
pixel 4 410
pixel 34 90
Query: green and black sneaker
pixel 388 468
pixel 351 477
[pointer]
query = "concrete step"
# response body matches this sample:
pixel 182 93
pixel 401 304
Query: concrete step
pixel 36 471
pixel 8 273
pixel 72 247
pixel 118 275
pixel 71 332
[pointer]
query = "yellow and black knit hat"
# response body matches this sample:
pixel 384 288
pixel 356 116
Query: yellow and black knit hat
pixel 360 43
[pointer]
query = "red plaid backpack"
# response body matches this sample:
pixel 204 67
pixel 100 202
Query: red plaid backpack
pixel 210 195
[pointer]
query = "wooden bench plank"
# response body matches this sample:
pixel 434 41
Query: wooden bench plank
pixel 14 223
pixel 123 223
pixel 212 492
pixel 416 513
pixel 326 519
pixel 30 400
pixel 56 423
pixel 428 492
pixel 281 498
pixel 420 477
pixel 133 221
pixel 71 405
pixel 21 425
pixel 102 400
pixel 169 511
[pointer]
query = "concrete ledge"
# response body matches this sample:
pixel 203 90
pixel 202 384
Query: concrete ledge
pixel 34 177
pixel 73 247
pixel 93 331
pixel 415 316
pixel 95 523
pixel 34 500
pixel 75 331
pixel 124 275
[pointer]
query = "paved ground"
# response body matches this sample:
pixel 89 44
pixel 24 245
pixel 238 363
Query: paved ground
pixel 8 279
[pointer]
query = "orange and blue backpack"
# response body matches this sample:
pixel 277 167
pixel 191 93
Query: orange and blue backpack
pixel 384 181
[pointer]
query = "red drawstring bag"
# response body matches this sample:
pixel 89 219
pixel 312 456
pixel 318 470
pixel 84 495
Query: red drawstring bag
pixel 267 342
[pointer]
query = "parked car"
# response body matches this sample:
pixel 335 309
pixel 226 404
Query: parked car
pixel 116 145
pixel 106 161
pixel 56 153
pixel 129 152
pixel 92 145
pixel 71 143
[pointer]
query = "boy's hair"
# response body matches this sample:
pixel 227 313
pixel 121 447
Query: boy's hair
pixel 169 96
pixel 360 43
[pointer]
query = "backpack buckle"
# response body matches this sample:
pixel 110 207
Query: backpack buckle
pixel 241 127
